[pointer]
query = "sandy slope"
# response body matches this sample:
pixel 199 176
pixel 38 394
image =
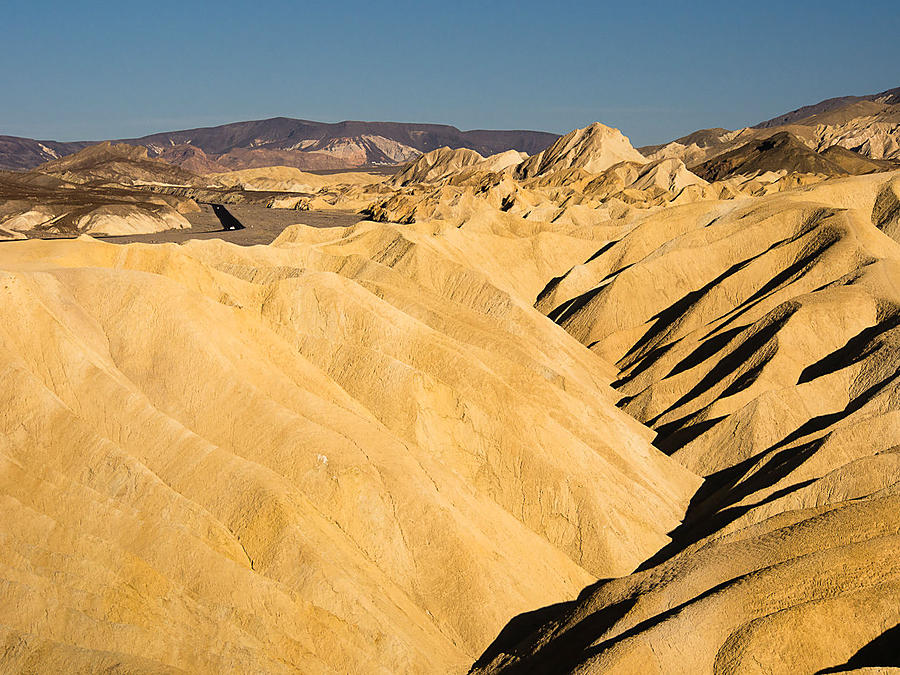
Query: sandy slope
pixel 759 339
pixel 656 413
pixel 342 452
pixel 289 179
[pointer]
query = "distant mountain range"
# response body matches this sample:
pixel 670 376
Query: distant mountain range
pixel 18 154
pixel 868 125
pixel 290 142
pixel 889 97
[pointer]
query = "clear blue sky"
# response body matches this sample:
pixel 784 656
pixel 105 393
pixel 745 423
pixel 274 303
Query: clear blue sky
pixel 92 70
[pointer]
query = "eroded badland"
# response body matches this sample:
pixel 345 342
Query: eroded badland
pixel 588 410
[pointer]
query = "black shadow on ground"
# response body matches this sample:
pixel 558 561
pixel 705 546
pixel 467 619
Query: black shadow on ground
pixel 229 222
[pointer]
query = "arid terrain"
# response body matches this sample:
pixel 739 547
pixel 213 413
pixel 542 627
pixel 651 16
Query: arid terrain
pixel 552 406
pixel 282 141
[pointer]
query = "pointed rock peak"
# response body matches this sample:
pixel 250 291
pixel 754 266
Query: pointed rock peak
pixel 594 148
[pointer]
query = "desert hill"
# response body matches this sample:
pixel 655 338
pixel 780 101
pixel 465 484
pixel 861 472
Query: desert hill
pixel 284 141
pixel 759 340
pixel 289 179
pixel 781 151
pixel 438 164
pixel 817 110
pixel 94 191
pixel 191 158
pixel 116 189
pixel 867 125
pixel 37 204
pixel 755 335
pixel 273 502
pixel 357 142
pixel 592 149
pixel 116 164
pixel 854 163
pixel 448 163
pixel 582 411
pixel 20 154
pixel 588 176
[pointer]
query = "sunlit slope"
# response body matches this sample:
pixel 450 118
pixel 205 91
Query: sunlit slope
pixel 759 338
pixel 810 590
pixel 350 451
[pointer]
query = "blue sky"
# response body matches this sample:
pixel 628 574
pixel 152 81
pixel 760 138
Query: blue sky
pixel 656 70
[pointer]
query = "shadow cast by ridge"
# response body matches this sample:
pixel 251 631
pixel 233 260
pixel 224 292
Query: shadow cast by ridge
pixel 229 222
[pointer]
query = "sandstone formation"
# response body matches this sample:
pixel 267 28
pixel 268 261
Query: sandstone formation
pixel 437 165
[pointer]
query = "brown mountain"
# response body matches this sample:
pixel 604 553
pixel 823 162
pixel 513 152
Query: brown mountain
pixel 115 163
pixel 868 125
pixel 191 158
pixel 783 151
pixel 300 143
pixel 18 154
pixel 800 115
pixel 854 163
